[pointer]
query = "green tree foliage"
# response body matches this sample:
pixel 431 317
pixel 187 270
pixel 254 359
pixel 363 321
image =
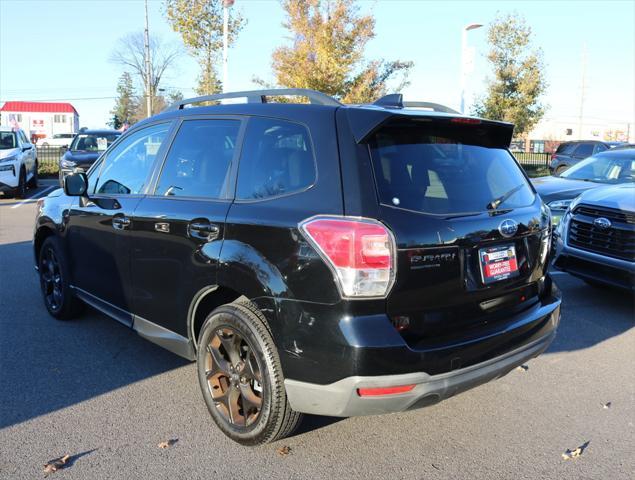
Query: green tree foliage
pixel 514 94
pixel 200 24
pixel 327 53
pixel 126 103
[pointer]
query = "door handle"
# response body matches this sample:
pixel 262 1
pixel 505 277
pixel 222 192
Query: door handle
pixel 203 231
pixel 120 222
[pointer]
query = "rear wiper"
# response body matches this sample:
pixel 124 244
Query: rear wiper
pixel 493 205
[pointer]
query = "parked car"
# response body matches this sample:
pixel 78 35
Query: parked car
pixel 58 140
pixel 596 238
pixel 18 162
pixel 312 258
pixel 570 153
pixel 85 148
pixel 608 167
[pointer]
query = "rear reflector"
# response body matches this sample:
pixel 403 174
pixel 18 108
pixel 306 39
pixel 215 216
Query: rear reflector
pixel 359 251
pixel 374 392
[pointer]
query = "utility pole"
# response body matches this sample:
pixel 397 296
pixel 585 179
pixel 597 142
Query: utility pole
pixel 148 85
pixel 582 88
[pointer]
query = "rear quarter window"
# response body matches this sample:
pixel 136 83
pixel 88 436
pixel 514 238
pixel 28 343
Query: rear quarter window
pixel 432 170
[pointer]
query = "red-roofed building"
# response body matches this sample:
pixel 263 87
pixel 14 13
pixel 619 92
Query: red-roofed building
pixel 41 119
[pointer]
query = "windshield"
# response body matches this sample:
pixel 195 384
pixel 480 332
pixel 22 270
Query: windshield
pixel 93 142
pixel 603 169
pixel 8 140
pixel 429 169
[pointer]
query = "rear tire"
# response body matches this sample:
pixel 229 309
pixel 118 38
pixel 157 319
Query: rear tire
pixel 59 298
pixel 34 179
pixel 560 169
pixel 241 378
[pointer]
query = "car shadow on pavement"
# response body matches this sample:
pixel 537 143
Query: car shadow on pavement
pixel 607 312
pixel 47 364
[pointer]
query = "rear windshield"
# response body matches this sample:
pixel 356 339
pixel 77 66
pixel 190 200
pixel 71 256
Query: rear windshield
pixel 443 170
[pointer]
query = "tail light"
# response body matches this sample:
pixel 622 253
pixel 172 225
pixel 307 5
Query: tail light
pixel 361 253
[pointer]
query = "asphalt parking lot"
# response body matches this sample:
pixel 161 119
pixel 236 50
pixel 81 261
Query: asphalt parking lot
pixel 93 389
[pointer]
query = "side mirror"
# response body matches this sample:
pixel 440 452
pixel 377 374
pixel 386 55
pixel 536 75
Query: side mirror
pixel 76 184
pixel 29 147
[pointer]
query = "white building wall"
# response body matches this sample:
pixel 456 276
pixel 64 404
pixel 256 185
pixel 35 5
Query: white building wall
pixel 43 123
pixel 568 128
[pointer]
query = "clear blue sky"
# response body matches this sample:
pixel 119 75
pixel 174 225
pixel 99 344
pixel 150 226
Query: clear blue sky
pixel 59 50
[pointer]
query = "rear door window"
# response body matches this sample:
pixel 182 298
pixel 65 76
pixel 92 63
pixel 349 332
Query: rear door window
pixel 439 170
pixel 277 159
pixel 584 150
pixel 198 162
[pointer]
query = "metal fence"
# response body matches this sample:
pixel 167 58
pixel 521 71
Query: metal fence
pixel 49 155
pixel 533 160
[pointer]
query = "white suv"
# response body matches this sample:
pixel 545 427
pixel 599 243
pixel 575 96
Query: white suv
pixel 18 162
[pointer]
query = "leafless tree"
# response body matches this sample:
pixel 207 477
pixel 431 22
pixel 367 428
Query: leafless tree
pixel 129 52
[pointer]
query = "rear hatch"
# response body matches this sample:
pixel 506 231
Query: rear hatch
pixel 471 233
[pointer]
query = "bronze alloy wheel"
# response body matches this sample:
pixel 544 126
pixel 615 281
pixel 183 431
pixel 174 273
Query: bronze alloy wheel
pixel 234 377
pixel 51 279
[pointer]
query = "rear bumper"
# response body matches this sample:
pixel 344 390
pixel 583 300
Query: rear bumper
pixel 341 399
pixel 375 356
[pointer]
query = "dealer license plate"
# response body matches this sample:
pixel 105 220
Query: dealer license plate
pixel 498 263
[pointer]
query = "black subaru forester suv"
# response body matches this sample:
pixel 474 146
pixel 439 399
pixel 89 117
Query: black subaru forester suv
pixel 313 257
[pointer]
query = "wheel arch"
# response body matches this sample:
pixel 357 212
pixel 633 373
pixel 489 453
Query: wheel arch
pixel 41 234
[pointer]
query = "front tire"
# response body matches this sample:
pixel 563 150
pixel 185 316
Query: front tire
pixel 20 190
pixel 59 298
pixel 34 179
pixel 241 378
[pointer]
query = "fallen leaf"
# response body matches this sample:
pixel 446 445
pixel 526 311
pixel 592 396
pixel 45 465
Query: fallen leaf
pixel 168 443
pixel 522 368
pixel 607 405
pixel 285 450
pixel 575 453
pixel 56 464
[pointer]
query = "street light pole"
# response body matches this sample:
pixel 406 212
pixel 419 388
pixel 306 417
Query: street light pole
pixel 148 67
pixel 226 5
pixel 465 68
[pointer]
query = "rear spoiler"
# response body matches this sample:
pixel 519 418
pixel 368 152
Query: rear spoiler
pixel 366 120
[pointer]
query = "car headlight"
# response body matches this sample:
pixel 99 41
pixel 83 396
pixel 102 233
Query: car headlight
pixel 559 204
pixel 67 163
pixel 12 158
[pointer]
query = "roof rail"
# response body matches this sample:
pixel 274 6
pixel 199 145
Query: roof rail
pixel 260 96
pixel 435 107
pixel 395 100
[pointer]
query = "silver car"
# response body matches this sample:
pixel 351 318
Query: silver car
pixel 595 240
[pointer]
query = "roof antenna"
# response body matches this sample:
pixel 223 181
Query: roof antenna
pixel 394 100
